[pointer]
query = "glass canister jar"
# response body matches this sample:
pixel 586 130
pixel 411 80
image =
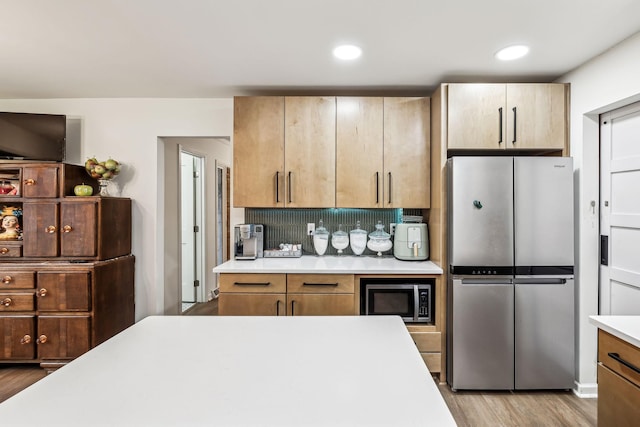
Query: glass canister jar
pixel 340 240
pixel 358 238
pixel 320 239
pixel 379 240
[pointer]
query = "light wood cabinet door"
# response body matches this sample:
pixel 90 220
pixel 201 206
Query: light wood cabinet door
pixel 253 283
pixel 476 116
pixel 321 304
pixel 258 151
pixel 359 152
pixel 536 116
pixel 407 136
pixel 252 304
pixel 310 151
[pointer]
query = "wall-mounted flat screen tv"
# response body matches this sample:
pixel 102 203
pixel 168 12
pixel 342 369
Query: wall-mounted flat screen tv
pixel 27 136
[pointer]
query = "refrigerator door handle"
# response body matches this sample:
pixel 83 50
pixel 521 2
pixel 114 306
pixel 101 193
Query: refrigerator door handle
pixel 493 282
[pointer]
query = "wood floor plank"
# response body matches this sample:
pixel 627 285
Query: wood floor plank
pixel 14 378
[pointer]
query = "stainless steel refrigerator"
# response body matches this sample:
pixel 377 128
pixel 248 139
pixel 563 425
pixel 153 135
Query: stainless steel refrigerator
pixel 511 282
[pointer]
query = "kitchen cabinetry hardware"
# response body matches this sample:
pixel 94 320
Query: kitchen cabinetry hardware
pixel 389 187
pixel 6 302
pixel 319 284
pixel 277 186
pixel 293 305
pixel 67 229
pixel 289 185
pixel 42 339
pixel 500 125
pixel 515 123
pixel 4 251
pixel 278 307
pixel 30 181
pixel 377 188
pixel 252 283
pixel 616 357
pixel 41 292
pixel 7 279
pixel 50 229
pixel 25 339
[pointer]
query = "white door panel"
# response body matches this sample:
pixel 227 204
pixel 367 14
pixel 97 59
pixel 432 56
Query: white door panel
pixel 620 210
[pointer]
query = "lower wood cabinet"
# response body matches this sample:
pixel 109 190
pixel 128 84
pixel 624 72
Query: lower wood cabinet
pixel 429 342
pixel 618 382
pixel 287 295
pixel 52 312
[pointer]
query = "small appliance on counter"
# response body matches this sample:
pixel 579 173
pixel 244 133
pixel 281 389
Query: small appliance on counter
pixel 411 242
pixel 249 241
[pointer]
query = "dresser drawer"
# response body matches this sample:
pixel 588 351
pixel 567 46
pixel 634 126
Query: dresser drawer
pixel 17 280
pixel 617 355
pixel 258 283
pixel 10 250
pixel 320 283
pixel 16 301
pixel 63 292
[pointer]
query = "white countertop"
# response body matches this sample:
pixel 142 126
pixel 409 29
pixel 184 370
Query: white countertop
pixel 626 328
pixel 347 264
pixel 241 371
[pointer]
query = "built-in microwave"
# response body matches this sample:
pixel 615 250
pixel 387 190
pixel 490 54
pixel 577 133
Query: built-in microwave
pixel 411 299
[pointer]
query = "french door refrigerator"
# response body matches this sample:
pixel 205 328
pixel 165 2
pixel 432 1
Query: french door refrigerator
pixel 511 283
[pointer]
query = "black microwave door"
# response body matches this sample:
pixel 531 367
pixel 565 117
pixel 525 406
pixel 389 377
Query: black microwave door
pixel 387 301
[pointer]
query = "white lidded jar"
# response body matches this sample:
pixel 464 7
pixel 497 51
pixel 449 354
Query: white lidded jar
pixel 379 240
pixel 340 240
pixel 358 238
pixel 320 239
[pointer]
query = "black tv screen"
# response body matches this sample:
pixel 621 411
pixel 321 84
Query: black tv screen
pixel 32 136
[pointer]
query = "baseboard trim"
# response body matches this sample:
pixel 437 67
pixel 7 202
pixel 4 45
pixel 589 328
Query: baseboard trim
pixel 586 391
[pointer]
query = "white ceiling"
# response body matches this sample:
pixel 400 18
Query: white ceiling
pixel 215 48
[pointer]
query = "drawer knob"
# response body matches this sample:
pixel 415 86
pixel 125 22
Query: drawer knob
pixel 6 302
pixel 42 292
pixel 25 339
pixel 42 339
pixel 51 229
pixel 4 251
pixel 7 279
pixel 30 181
pixel 67 228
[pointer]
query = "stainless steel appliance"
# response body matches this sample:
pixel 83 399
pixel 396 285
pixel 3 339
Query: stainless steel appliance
pixel 511 283
pixel 411 242
pixel 411 299
pixel 249 241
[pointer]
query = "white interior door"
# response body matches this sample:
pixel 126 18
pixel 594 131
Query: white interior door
pixel 620 211
pixel 191 219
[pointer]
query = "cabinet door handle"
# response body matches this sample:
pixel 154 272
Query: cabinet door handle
pixel 293 306
pixel 7 279
pixel 4 251
pixel 277 186
pixel 319 284
pixel 30 181
pixel 67 229
pixel 377 187
pixel 50 229
pixel 42 339
pixel 252 283
pixel 6 302
pixel 616 357
pixel 289 179
pixel 389 187
pixel 42 292
pixel 25 339
pixel 278 308
pixel 515 121
pixel 500 125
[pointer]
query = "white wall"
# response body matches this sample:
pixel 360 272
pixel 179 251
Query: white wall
pixel 604 83
pixel 128 130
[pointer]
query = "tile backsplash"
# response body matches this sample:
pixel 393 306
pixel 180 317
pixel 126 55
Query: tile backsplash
pixel 290 225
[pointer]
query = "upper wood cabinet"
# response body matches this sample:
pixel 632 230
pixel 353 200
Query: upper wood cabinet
pixel 258 151
pixel 507 116
pixel 382 158
pixel 310 151
pixel 284 152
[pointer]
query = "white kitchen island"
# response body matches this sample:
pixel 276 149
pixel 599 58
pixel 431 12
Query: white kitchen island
pixel 241 371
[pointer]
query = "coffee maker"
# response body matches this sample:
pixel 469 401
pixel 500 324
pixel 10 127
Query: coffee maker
pixel 249 241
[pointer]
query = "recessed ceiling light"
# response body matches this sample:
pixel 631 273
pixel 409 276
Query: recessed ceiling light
pixel 512 52
pixel 347 52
